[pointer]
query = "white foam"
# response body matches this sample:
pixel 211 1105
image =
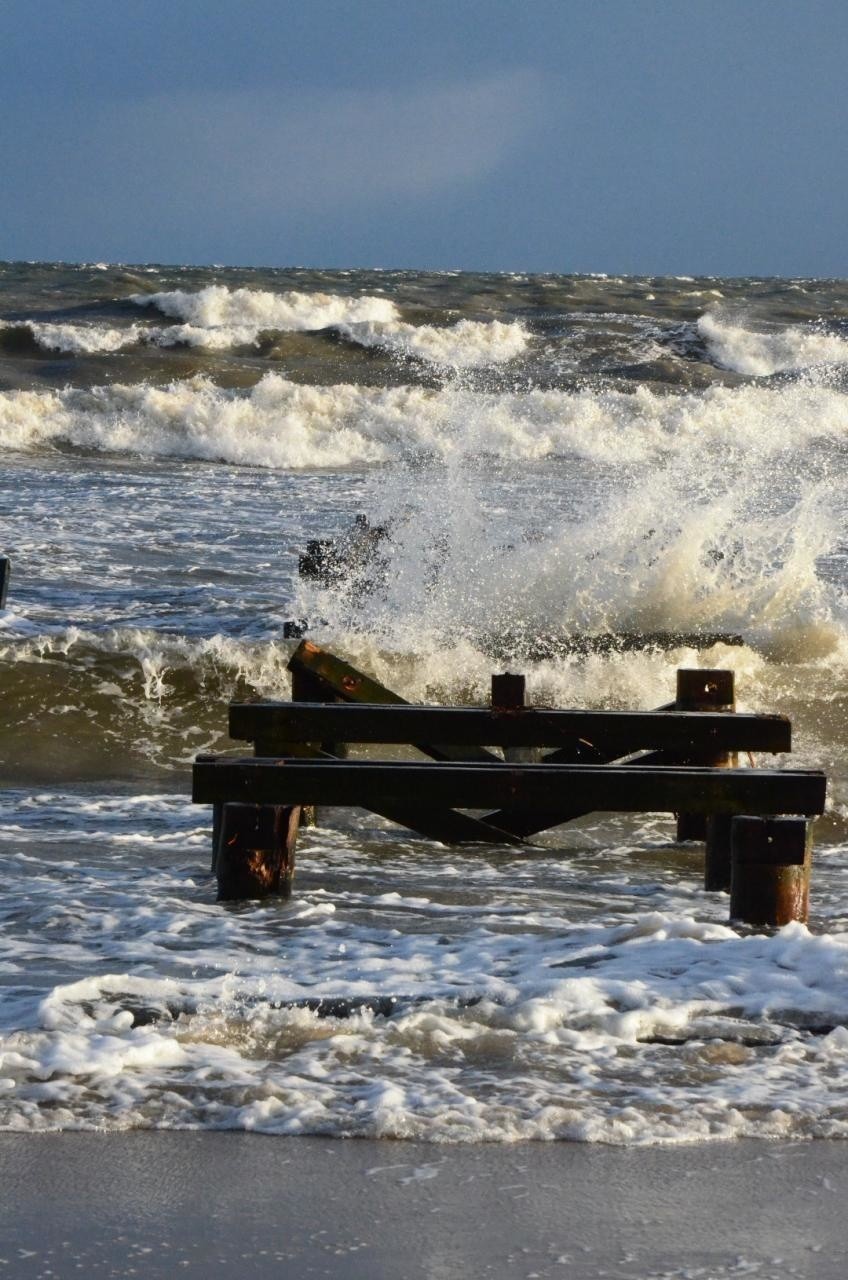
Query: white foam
pixel 761 353
pixel 567 1034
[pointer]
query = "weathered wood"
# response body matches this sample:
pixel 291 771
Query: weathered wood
pixel 509 696
pixel 770 872
pixel 445 825
pixel 612 788
pixel 256 850
pixel 351 685
pixel 5 577
pixel 529 822
pixel 613 733
pixel 704 690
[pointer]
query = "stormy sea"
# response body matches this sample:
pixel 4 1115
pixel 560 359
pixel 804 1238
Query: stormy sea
pixel 551 456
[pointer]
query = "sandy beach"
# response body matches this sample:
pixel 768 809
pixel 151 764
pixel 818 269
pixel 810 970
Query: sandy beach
pixel 163 1204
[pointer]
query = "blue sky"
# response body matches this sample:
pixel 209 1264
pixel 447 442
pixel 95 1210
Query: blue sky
pixel 643 136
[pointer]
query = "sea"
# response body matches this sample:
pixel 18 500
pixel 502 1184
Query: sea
pixel 550 456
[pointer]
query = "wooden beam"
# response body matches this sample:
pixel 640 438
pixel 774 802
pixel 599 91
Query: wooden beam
pixel 615 733
pixel 352 685
pixel 615 788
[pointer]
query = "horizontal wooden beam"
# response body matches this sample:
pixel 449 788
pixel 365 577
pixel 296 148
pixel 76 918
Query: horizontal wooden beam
pixel 614 732
pixel 618 788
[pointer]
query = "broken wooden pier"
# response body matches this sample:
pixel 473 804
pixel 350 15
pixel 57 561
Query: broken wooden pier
pixel 522 769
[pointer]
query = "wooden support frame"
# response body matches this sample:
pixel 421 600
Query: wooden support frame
pixel 612 788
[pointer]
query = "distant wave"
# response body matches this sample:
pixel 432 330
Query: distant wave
pixel 759 354
pixel 220 318
pixel 217 307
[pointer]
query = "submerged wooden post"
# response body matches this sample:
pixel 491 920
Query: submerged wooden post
pixel 256 851
pixel 770 871
pixel 5 574
pixel 701 690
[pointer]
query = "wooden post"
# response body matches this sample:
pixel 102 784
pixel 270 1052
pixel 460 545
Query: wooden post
pixel 5 574
pixel 509 693
pixel 717 853
pixel 700 690
pixel 256 851
pixel 770 872
pixel 217 819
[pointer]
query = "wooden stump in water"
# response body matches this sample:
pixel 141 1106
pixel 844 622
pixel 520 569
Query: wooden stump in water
pixel 255 853
pixel 770 870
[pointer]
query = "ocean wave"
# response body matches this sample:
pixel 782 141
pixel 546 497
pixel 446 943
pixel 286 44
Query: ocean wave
pixel 469 344
pixel 279 423
pixel 73 339
pixel 760 354
pixel 126 701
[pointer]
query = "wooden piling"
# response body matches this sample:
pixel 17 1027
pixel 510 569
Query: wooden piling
pixel 770 870
pixel 5 575
pixel 256 851
pixel 717 853
pixel 703 690
pixel 509 694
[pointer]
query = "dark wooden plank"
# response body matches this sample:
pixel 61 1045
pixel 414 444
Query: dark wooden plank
pixel 619 788
pixel 436 823
pixel 352 685
pixel 529 822
pixel 615 733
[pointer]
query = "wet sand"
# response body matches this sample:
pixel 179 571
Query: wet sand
pixel 157 1204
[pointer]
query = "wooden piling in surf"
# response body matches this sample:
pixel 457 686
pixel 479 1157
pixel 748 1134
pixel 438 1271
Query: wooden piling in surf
pixel 256 851
pixel 771 860
pixel 5 576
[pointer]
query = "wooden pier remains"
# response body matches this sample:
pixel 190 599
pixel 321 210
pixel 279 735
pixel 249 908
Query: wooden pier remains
pixel 354 563
pixel 678 759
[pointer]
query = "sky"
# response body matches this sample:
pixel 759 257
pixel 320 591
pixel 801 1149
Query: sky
pixel 623 136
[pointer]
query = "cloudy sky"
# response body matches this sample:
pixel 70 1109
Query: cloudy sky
pixel 645 136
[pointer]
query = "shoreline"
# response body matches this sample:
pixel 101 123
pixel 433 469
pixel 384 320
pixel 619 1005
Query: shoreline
pixel 158 1203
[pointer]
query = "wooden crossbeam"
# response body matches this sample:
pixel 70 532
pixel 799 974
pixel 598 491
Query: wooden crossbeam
pixel 615 733
pixel 345 681
pixel 547 787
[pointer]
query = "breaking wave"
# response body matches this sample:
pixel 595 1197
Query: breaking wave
pixel 762 353
pixel 279 423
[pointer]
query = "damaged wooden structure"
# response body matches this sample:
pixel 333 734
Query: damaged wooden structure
pixel 356 563
pixel 522 769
